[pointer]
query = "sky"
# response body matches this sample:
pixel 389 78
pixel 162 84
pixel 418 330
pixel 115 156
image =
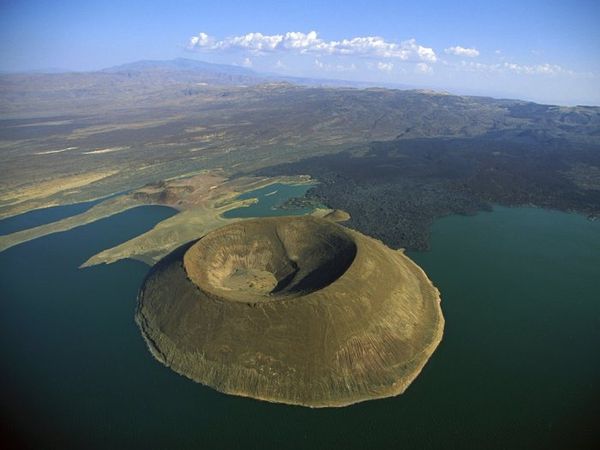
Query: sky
pixel 541 50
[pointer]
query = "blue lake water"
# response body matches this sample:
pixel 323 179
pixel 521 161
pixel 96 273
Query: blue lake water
pixel 269 198
pixel 50 214
pixel 43 216
pixel 518 366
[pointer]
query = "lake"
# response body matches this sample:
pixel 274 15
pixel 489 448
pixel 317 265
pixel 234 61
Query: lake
pixel 518 366
pixel 269 198
pixel 43 216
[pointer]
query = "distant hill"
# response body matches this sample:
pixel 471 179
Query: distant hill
pixel 180 64
pixel 226 74
pixel 186 69
pixel 186 84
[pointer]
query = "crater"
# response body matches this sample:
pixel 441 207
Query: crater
pixel 264 261
pixel 296 310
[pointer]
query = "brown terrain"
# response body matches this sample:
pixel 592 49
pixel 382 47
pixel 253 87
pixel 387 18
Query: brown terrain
pixel 395 160
pixel 296 310
pixel 200 200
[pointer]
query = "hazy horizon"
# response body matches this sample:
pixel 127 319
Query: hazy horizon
pixel 533 50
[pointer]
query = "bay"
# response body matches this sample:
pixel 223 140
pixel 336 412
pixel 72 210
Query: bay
pixel 517 367
pixel 269 198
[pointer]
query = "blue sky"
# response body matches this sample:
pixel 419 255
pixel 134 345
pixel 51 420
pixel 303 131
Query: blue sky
pixel 547 51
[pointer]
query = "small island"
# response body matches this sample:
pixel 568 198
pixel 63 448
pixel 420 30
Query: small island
pixel 296 310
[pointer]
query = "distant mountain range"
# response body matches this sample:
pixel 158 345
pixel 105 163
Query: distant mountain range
pixel 190 68
pixel 229 74
pixel 186 70
pixel 180 64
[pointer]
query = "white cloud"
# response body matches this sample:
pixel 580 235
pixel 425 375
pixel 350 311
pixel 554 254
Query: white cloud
pixel 256 42
pixel 280 65
pixel 385 66
pixel 202 40
pixel 472 66
pixel 462 51
pixel 521 69
pixel 247 62
pixel 538 69
pixel 299 40
pixel 295 41
pixel 334 67
pixel 425 53
pixel 423 68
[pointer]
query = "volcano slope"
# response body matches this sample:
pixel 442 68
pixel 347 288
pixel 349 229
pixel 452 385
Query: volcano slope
pixel 296 310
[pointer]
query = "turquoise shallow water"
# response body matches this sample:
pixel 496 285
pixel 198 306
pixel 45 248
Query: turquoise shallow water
pixel 517 368
pixel 269 197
